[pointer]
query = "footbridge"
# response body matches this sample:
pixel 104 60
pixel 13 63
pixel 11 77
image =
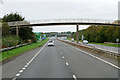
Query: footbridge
pixel 50 22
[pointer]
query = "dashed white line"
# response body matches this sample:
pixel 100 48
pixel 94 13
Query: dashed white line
pixel 67 64
pixel 17 75
pixel 75 78
pixel 63 57
pixel 21 71
pixel 96 57
pixel 23 68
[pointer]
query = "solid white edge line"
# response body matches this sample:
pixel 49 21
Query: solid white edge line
pixel 97 58
pixel 75 78
pixel 18 74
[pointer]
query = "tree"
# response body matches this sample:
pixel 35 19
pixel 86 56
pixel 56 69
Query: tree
pixel 13 17
pixel 5 29
pixel 25 33
pixel 100 34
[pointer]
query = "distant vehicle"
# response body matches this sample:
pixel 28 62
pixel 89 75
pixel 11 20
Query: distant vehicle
pixel 72 39
pixel 51 43
pixel 65 38
pixel 85 42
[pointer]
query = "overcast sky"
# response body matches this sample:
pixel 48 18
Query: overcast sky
pixel 55 9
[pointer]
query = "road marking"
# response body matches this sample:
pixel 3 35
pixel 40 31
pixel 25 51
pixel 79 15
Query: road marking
pixel 75 78
pixel 96 57
pixel 67 64
pixel 26 66
pixel 63 57
pixel 17 75
pixel 23 68
pixel 21 71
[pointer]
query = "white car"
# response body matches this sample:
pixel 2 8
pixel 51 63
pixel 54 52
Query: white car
pixel 51 43
pixel 85 42
pixel 72 39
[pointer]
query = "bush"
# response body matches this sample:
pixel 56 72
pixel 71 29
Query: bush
pixel 10 41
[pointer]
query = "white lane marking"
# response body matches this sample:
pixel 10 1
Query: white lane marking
pixel 67 64
pixel 28 63
pixel 23 68
pixel 63 57
pixel 17 75
pixel 37 54
pixel 21 71
pixel 75 78
pixel 26 66
pixel 96 57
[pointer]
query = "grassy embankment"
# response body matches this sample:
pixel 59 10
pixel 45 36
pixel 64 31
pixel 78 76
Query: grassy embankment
pixel 113 45
pixel 15 52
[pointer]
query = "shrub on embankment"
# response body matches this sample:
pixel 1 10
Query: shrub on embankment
pixel 10 41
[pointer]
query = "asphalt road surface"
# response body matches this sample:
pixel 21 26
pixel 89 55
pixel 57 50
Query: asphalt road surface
pixel 59 61
pixel 63 61
pixel 103 47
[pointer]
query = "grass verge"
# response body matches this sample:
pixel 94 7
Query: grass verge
pixel 15 52
pixel 113 45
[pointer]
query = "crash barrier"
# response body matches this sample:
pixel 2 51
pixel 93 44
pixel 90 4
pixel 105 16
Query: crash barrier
pixel 13 47
pixel 95 49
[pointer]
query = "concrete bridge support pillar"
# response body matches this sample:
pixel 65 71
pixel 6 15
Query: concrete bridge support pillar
pixel 77 29
pixel 17 31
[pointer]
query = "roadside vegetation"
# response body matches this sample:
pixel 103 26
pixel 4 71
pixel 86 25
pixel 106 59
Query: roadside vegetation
pixel 15 52
pixel 99 34
pixel 9 38
pixel 105 44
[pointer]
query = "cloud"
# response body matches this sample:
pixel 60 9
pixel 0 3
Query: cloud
pixel 54 9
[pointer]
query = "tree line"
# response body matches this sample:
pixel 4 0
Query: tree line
pixel 9 37
pixel 99 34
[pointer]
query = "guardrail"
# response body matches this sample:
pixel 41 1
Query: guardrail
pixel 100 51
pixel 13 47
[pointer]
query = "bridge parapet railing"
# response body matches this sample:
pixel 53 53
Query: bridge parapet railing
pixel 61 21
pixel 72 20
